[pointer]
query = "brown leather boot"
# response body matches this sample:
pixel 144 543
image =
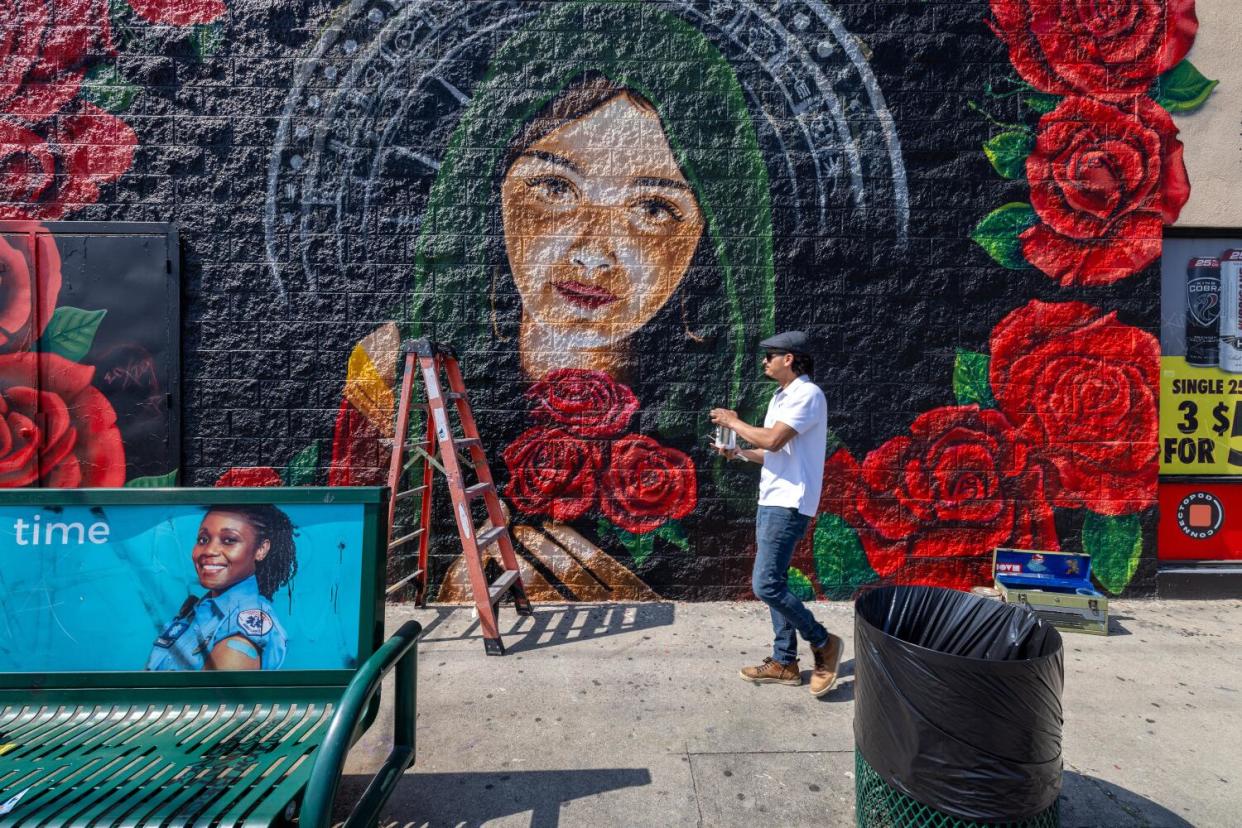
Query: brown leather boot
pixel 827 658
pixel 772 671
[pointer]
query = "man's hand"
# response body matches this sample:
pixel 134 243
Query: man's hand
pixel 726 417
pixel 727 453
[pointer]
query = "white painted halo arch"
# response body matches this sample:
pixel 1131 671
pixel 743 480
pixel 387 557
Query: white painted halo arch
pixel 383 88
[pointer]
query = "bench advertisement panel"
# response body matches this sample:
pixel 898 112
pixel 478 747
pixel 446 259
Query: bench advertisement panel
pixel 127 587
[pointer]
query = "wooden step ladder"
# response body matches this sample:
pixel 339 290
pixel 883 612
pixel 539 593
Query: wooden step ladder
pixel 448 452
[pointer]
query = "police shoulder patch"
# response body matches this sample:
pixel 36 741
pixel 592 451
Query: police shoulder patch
pixel 254 622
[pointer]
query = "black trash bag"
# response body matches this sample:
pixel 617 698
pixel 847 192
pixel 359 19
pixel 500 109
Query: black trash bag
pixel 958 701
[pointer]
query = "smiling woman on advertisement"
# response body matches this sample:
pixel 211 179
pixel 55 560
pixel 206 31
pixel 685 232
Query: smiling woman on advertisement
pixel 241 555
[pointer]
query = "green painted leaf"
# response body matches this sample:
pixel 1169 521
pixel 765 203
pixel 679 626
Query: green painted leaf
pixel 70 332
pixel 104 87
pixel 1043 104
pixel 1008 151
pixel 674 533
pixel 970 379
pixel 1183 88
pixel 840 561
pixel 639 547
pixel 121 17
pixel 304 468
pixel 206 40
pixel 998 233
pixel 159 481
pixel 1115 545
pixel 800 585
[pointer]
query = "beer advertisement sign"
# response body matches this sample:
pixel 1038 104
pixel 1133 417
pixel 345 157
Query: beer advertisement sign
pixel 1201 356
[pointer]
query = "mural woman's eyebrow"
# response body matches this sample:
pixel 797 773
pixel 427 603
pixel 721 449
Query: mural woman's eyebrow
pixel 648 181
pixel 552 158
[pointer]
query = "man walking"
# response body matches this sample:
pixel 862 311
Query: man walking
pixel 791 446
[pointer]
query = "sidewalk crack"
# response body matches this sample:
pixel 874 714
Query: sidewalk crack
pixel 694 785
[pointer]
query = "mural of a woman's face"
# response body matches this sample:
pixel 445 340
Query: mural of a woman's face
pixel 600 225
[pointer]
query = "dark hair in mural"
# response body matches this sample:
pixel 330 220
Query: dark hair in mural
pixel 585 94
pixel 271 524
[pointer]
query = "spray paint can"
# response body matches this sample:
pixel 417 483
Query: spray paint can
pixel 1231 311
pixel 1203 311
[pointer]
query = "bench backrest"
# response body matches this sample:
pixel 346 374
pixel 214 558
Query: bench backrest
pixel 130 589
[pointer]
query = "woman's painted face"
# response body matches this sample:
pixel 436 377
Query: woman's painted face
pixel 600 224
pixel 226 550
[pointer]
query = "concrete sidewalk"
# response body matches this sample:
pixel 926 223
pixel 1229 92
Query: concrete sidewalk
pixel 633 714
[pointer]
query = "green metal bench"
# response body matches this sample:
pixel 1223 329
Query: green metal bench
pixel 203 748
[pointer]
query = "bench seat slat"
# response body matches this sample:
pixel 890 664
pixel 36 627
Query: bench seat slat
pixel 57 807
pixel 150 764
pixel 150 772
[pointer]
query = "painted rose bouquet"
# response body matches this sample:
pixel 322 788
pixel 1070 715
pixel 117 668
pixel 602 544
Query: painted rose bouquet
pixel 1060 415
pixel 577 458
pixel 57 429
pixel 1103 161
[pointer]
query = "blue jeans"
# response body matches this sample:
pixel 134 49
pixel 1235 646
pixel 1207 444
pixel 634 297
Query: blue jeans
pixel 777 531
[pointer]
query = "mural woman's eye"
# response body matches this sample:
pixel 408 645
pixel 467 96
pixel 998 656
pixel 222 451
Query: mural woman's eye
pixel 202 539
pixel 553 189
pixel 657 211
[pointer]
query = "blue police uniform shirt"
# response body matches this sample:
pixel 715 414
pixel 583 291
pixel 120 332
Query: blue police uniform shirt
pixel 240 610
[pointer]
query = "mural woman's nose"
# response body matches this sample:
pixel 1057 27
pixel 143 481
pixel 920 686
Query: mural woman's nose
pixel 592 252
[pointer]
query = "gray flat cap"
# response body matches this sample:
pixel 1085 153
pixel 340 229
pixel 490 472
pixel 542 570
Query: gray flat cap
pixel 795 342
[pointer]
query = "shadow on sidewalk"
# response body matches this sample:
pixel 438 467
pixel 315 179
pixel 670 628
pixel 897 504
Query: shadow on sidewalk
pixel 435 799
pixel 556 624
pixel 1088 802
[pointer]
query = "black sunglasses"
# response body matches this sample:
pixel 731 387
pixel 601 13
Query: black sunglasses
pixel 770 354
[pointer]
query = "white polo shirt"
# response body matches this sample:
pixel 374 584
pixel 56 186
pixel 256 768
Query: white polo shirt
pixel 793 476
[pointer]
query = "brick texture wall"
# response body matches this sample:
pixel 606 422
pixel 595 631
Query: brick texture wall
pixel 310 150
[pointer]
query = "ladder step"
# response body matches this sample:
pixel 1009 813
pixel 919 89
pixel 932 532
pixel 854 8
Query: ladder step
pixel 489 537
pixel 478 490
pixel 404 539
pixel 503 584
pixel 391 588
pixel 465 442
pixel 409 493
pixel 454 395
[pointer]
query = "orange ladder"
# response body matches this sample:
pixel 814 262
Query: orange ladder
pixel 442 449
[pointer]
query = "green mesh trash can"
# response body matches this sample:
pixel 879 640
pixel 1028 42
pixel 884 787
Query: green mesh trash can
pixel 957 716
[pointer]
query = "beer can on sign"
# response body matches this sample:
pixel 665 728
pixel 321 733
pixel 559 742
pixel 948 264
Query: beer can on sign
pixel 1203 311
pixel 1231 311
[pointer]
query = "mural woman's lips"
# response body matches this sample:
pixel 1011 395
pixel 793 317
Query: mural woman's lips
pixel 584 295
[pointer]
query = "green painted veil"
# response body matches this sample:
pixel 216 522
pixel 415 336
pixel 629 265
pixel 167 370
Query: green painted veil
pixel 463 292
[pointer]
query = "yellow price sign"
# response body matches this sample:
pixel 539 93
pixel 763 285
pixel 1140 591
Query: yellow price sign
pixel 1199 415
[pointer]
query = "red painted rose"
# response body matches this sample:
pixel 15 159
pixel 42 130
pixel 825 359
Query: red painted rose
pixel 45 46
pixel 56 429
pixel 28 292
pixel 1104 180
pixel 44 179
pixel 933 505
pixel 1082 386
pixel 647 484
pixel 590 403
pixel 250 476
pixel 552 472
pixel 1111 50
pixel 179 12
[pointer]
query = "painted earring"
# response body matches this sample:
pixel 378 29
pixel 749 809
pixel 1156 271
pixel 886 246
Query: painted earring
pixel 685 324
pixel 491 299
